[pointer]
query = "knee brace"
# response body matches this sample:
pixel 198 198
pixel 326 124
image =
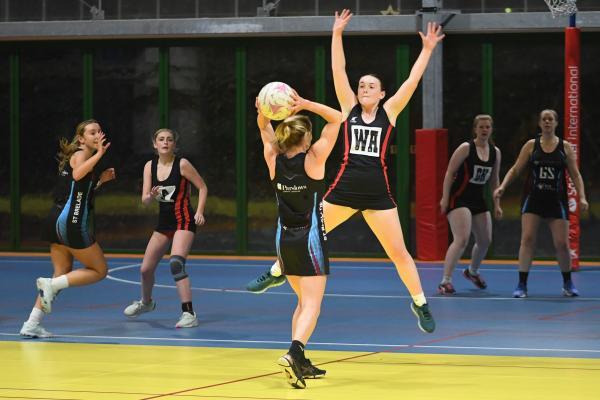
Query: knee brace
pixel 177 264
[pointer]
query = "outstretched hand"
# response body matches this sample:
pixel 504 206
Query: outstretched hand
pixel 101 146
pixel 433 36
pixel 107 175
pixel 341 20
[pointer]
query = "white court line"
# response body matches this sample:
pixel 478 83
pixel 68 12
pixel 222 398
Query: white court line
pixel 335 265
pixel 341 344
pixel 342 295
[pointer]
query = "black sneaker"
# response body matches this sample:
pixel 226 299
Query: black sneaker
pixel 292 370
pixel 309 371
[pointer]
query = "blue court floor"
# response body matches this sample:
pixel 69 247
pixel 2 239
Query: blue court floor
pixel 366 308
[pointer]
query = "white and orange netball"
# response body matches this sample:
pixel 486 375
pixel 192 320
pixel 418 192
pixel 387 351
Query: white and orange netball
pixel 275 100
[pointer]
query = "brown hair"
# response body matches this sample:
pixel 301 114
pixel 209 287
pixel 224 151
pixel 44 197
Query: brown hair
pixel 551 111
pixel 68 148
pixel 291 131
pixel 381 85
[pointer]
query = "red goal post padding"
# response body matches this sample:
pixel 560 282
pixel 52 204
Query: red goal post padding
pixel 431 163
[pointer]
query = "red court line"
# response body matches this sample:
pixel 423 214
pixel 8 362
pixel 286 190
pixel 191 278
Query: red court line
pixel 578 311
pixel 471 333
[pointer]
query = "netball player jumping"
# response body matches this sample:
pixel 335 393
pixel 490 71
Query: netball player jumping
pixel 362 181
pixel 167 180
pixel 71 220
pixel 545 197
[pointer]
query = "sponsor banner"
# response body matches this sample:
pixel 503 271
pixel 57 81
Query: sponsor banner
pixel 572 131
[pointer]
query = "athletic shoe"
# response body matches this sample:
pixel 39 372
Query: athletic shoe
pixel 309 371
pixel 139 307
pixel 569 289
pixel 264 282
pixel 46 293
pixel 446 288
pixel 34 330
pixel 292 370
pixel 187 320
pixel 476 279
pixel 521 291
pixel 425 319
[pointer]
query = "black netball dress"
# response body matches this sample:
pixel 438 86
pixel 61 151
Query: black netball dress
pixel 71 219
pixel 301 239
pixel 362 180
pixel 545 192
pixel 175 210
pixel 469 182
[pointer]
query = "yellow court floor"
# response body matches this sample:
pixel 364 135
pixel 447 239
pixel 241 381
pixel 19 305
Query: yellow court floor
pixel 45 370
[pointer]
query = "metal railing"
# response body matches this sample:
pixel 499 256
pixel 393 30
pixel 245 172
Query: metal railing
pixel 72 10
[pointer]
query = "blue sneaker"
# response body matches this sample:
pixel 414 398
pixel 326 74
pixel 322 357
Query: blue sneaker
pixel 521 291
pixel 264 282
pixel 569 289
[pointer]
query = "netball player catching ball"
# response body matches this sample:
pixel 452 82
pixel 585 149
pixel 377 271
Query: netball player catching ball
pixel 167 179
pixel 297 172
pixel 70 222
pixel 546 158
pixel 362 183
pixel 472 165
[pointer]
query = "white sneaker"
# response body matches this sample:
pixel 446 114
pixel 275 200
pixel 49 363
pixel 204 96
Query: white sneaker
pixel 46 293
pixel 187 320
pixel 139 307
pixel 34 330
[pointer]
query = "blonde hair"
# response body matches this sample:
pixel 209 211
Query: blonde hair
pixel 161 130
pixel 68 148
pixel 551 111
pixel 291 132
pixel 173 133
pixel 483 117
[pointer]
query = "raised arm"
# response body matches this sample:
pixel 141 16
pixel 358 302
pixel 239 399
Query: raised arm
pixel 516 169
pixel 191 174
pixel 576 176
pixel 458 157
pixel 395 104
pixel 343 90
pixel 267 134
pixel 82 166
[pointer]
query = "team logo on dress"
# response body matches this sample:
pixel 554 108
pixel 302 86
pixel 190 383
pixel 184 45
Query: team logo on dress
pixel 480 175
pixel 291 189
pixel 353 119
pixel 165 194
pixel 365 140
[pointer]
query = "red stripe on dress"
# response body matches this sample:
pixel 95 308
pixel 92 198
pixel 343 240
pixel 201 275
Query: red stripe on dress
pixel 344 162
pixel 178 202
pixel 383 166
pixel 186 204
pixel 462 187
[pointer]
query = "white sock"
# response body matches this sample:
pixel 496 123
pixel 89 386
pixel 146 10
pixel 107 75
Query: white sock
pixel 473 271
pixel 59 283
pixel 419 299
pixel 275 270
pixel 36 315
pixel 446 279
